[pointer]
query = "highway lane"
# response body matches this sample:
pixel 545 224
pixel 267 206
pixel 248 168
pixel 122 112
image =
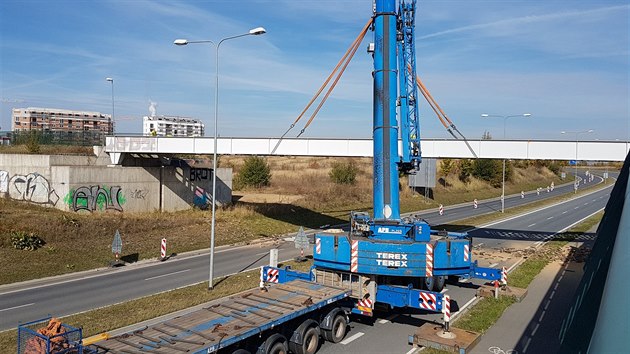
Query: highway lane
pixel 123 284
pixel 31 301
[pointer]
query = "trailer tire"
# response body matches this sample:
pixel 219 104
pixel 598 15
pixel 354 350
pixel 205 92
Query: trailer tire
pixel 275 344
pixel 309 341
pixel 338 329
pixel 429 283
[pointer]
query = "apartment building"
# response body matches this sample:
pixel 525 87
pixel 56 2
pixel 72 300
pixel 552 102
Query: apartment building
pixel 172 126
pixel 61 120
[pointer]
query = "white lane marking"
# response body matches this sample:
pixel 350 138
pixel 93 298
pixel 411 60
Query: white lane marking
pixel 351 338
pixel 465 306
pixel 535 329
pixel 595 200
pixel 480 244
pixel 549 218
pixel 564 212
pixel 531 225
pixel 576 208
pixel 534 211
pixel 585 203
pixel 494 265
pixel 388 319
pixel 17 307
pixel 166 275
pixel 261 254
pixel 415 350
pixel 443 291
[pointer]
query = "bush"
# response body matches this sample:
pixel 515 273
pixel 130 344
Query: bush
pixel 254 173
pixel 465 170
pixel 343 173
pixel 26 241
pixel 489 171
pixel 447 165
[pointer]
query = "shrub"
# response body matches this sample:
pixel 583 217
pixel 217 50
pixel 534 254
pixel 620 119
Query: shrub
pixel 447 165
pixel 254 173
pixel 465 170
pixel 26 241
pixel 489 171
pixel 343 173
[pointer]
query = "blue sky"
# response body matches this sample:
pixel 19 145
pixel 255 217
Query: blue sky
pixel 565 61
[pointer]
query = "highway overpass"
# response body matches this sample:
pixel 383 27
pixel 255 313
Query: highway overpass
pixel 140 146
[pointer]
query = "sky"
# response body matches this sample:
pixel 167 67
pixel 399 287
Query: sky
pixel 566 62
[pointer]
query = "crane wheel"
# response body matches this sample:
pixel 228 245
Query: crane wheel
pixel 438 283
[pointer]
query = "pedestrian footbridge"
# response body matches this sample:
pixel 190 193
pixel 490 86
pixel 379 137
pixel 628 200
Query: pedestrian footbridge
pixel 143 146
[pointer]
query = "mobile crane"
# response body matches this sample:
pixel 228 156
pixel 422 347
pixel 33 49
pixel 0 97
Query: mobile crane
pixel 387 259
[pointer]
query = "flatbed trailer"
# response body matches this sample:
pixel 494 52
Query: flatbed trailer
pixel 269 320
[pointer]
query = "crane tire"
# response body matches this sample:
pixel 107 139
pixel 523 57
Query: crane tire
pixel 438 283
pixel 338 331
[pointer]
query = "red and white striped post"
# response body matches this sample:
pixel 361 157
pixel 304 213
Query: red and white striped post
pixel 475 204
pixel 504 276
pixel 163 249
pixel 262 280
pixel 441 209
pixel 522 194
pixel 446 310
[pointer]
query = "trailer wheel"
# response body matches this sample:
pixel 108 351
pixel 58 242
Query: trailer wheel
pixel 338 331
pixel 240 351
pixel 310 342
pixel 275 344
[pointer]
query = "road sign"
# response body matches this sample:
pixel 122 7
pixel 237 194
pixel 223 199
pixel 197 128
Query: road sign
pixel 563 175
pixel 301 240
pixel 117 244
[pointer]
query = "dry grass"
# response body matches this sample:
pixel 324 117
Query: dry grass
pixel 48 150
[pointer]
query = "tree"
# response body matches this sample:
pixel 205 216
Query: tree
pixel 254 173
pixel 447 165
pixel 465 170
pixel 343 173
pixel 486 136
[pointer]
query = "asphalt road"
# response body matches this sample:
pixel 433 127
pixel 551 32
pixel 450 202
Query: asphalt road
pixel 84 291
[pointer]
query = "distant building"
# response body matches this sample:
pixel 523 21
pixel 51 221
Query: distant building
pixel 172 126
pixel 61 122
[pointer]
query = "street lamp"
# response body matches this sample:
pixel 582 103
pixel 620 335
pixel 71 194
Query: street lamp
pixel 575 183
pixel 253 32
pixel 505 118
pixel 113 119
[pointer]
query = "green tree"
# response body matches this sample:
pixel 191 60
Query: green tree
pixel 447 165
pixel 343 173
pixel 465 170
pixel 32 144
pixel 492 171
pixel 254 173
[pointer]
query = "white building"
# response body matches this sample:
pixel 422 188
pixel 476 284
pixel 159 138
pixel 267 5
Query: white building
pixel 172 126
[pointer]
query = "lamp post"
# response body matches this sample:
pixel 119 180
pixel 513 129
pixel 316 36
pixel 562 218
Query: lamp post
pixel 505 118
pixel 253 32
pixel 113 118
pixel 577 134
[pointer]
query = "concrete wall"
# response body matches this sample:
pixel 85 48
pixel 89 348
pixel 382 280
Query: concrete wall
pixel 77 183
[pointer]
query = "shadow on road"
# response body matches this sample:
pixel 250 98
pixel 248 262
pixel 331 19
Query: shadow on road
pixel 293 214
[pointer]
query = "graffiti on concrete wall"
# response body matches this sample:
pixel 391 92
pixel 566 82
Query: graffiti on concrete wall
pixel 202 198
pixel 95 198
pixel 33 188
pixel 198 174
pixel 4 181
pixel 139 194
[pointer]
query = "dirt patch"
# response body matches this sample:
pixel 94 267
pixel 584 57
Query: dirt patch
pixel 247 197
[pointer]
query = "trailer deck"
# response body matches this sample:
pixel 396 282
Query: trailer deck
pixel 228 322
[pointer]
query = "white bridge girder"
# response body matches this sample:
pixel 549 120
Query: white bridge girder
pixel 431 148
